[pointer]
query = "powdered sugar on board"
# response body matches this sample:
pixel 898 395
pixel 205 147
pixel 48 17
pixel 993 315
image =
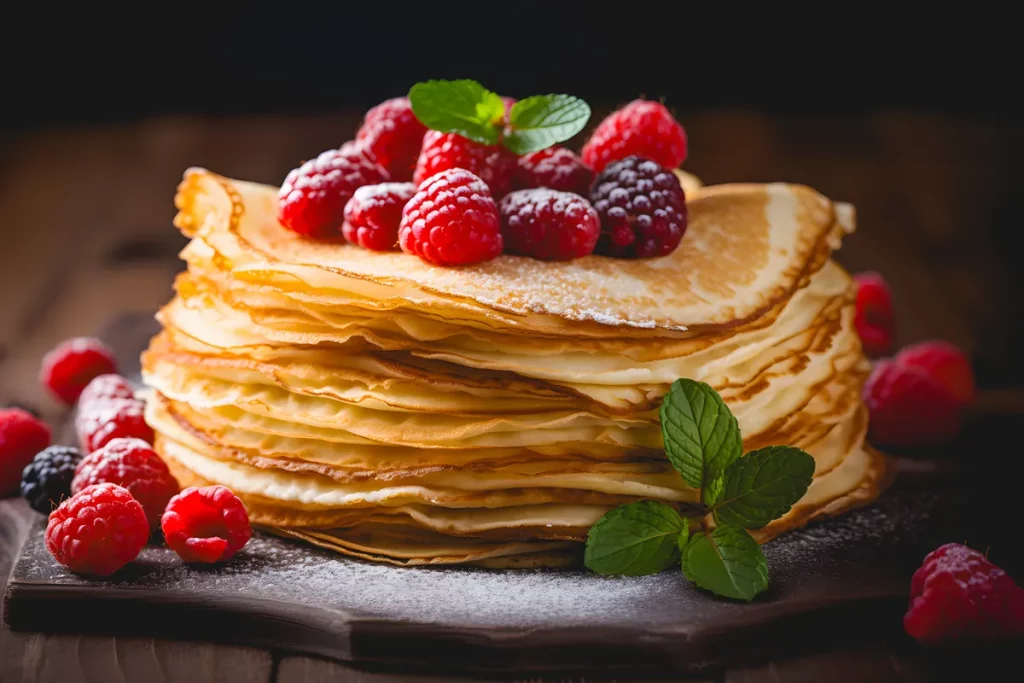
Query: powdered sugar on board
pixel 869 552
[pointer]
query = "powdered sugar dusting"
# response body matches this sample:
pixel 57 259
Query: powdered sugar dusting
pixel 814 563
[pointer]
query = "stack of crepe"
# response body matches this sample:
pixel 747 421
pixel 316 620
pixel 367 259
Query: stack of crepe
pixel 374 404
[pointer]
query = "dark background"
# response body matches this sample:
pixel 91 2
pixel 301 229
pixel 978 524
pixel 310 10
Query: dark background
pixel 104 65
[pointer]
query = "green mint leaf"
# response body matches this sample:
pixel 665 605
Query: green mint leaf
pixel 700 432
pixel 464 107
pixel 540 121
pixel 762 486
pixel 634 540
pixel 727 562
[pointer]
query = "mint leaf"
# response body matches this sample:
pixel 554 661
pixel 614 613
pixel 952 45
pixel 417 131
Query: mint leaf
pixel 634 540
pixel 727 562
pixel 464 107
pixel 762 486
pixel 700 432
pixel 540 121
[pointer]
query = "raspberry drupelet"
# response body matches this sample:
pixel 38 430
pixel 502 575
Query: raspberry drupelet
pixel 312 198
pixel 451 220
pixel 98 530
pixel 548 225
pixel 133 464
pixel 494 164
pixel 206 524
pixel 641 128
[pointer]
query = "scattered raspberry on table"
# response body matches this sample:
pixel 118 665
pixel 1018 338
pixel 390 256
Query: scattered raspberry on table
pixel 493 164
pixel 451 220
pixel 908 406
pixel 959 594
pixel 557 168
pixel 99 422
pixel 98 530
pixel 311 201
pixel 133 464
pixel 946 363
pixel 22 435
pixel 72 364
pixel 46 481
pixel 206 524
pixel 106 388
pixel 548 225
pixel 642 208
pixel 394 135
pixel 642 128
pixel 873 318
pixel 374 213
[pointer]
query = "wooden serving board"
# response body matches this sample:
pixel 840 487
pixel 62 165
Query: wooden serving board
pixel 841 581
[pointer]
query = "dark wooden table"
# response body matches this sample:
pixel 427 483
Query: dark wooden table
pixel 85 234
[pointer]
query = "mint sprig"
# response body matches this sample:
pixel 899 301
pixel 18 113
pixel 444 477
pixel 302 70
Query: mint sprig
pixel 540 121
pixel 469 109
pixel 703 443
pixel 726 561
pixel 635 539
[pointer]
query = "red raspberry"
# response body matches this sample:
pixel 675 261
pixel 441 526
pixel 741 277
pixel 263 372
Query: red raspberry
pixel 106 389
pixel 313 197
pixel 98 423
pixel 394 135
pixel 873 319
pixel 555 167
pixel 443 151
pixel 643 128
pixel 133 464
pixel 97 531
pixel 373 214
pixel 73 364
pixel 206 524
pixel 642 208
pixel 549 225
pixel 909 407
pixel 957 593
pixel 22 435
pixel 946 363
pixel 452 220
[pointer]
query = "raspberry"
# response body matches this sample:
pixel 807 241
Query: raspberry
pixel 22 435
pixel 394 135
pixel 69 367
pixel 873 319
pixel 313 197
pixel 105 389
pixel 133 464
pixel 642 208
pixel 555 167
pixel 31 410
pixel 642 128
pixel 98 423
pixel 46 481
pixel 957 593
pixel 444 151
pixel 373 214
pixel 206 524
pixel 451 220
pixel 908 407
pixel 97 531
pixel 946 363
pixel 548 225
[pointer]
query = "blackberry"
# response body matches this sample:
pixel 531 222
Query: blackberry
pixel 642 208
pixel 46 481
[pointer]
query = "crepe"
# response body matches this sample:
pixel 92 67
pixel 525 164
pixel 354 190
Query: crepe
pixel 392 410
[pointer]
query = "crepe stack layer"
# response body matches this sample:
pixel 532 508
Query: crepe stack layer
pixel 389 409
